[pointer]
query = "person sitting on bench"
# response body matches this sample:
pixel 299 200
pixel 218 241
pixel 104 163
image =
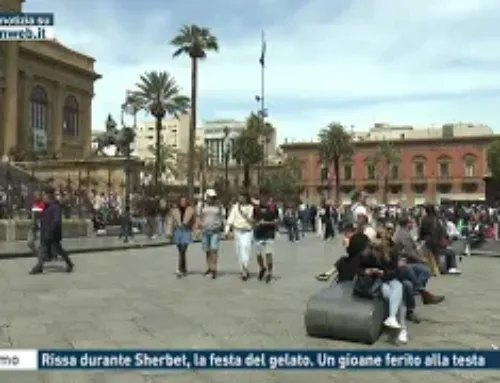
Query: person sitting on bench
pixel 383 262
pixel 415 268
pixel 345 268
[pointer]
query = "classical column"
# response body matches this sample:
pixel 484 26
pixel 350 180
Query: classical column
pixel 9 139
pixel 85 124
pixel 56 123
pixel 25 134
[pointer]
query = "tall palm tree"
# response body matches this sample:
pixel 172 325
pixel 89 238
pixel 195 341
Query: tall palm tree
pixel 247 149
pixel 386 156
pixel 159 94
pixel 167 161
pixel 335 144
pixel 195 42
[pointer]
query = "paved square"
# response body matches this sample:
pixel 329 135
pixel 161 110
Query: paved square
pixel 131 299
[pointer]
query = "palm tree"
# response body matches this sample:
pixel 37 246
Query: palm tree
pixel 167 160
pixel 195 42
pixel 386 156
pixel 335 145
pixel 159 94
pixel 247 149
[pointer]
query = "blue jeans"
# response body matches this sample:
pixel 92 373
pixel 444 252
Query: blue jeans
pixel 392 291
pixel 210 240
pixel 408 295
pixel 417 273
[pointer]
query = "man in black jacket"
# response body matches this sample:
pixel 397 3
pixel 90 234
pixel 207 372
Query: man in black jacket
pixel 51 234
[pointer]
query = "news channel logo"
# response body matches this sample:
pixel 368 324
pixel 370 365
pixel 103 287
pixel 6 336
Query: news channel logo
pixel 26 26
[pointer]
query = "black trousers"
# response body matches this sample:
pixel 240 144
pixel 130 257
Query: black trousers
pixel 49 249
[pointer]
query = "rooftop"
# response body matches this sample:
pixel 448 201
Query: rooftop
pixel 384 131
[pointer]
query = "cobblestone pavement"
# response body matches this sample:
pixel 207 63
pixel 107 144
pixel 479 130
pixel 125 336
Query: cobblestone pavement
pixel 131 299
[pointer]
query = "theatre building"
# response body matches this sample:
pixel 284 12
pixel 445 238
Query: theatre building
pixel 436 164
pixel 46 92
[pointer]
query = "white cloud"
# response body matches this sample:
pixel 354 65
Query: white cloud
pixel 318 53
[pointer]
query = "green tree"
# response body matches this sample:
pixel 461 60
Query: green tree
pixel 386 156
pixel 493 156
pixel 195 42
pixel 159 94
pixel 335 144
pixel 285 183
pixel 247 148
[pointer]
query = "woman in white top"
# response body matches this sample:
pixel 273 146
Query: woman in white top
pixel 241 220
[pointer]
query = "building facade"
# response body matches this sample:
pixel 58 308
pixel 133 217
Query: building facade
pixel 435 164
pixel 214 139
pixel 174 133
pixel 45 98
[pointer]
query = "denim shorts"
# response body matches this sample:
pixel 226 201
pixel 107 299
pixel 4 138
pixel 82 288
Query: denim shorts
pixel 210 240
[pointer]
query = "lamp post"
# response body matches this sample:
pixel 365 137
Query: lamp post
pixel 125 140
pixel 226 163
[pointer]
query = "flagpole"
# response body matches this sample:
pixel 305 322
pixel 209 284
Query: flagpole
pixel 262 101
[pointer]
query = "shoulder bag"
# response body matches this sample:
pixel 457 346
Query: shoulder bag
pixel 366 286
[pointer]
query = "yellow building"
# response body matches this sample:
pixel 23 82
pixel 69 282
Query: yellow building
pixel 46 97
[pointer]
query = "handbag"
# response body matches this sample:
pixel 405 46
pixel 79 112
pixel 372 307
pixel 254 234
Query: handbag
pixel 366 286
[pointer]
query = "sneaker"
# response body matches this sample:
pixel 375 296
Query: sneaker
pixel 454 271
pixel 69 268
pixel 262 273
pixel 208 273
pixel 391 322
pixel 214 274
pixel 179 274
pixel 403 336
pixel 36 271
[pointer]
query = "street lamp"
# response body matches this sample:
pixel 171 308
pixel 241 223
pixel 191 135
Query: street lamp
pixel 125 140
pixel 226 162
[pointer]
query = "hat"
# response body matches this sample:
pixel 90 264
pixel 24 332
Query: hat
pixel 210 193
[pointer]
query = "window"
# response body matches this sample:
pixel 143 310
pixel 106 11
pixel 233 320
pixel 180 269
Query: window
pixel 470 166
pixel 70 117
pixel 39 104
pixel 348 172
pixel 370 172
pixel 419 170
pixel 444 170
pixel 394 172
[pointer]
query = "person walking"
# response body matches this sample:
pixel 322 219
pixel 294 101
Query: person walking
pixel 211 215
pixel 37 208
pixel 180 229
pixel 51 234
pixel 267 220
pixel 241 221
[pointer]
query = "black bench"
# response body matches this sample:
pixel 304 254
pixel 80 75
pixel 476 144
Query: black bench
pixel 335 313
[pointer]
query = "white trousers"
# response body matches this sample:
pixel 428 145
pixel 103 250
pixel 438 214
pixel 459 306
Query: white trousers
pixel 243 242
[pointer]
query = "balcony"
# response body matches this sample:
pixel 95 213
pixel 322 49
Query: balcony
pixel 444 179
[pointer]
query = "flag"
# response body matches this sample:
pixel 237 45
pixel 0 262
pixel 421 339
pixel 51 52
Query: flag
pixel 262 59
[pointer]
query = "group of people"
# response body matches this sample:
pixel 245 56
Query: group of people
pixel 250 221
pixel 388 261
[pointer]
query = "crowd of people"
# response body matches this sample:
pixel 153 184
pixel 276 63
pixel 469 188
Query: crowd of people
pixel 390 253
pixel 385 258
